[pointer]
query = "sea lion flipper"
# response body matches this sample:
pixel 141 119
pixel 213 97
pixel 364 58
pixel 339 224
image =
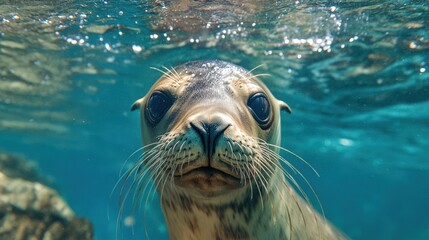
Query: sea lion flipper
pixel 137 104
pixel 284 106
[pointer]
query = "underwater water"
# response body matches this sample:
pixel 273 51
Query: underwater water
pixel 356 74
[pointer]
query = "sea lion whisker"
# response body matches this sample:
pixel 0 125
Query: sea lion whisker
pixel 249 76
pixel 230 147
pixel 246 174
pixel 296 171
pixel 146 158
pixel 125 175
pixel 268 156
pixel 235 167
pixel 123 196
pixel 169 150
pixel 297 205
pixel 183 161
pixel 295 155
pixel 267 170
pixel 266 165
pixel 159 70
pixel 140 168
pixel 253 69
pixel 295 183
pixel 154 187
pixel 291 178
pixel 143 166
pixel 180 152
pixel 138 195
pixel 259 75
pixel 261 178
pixel 148 172
pixel 277 156
pixel 158 166
pixel 165 178
pixel 173 149
pixel 255 180
pixel 160 170
pixel 241 147
pixel 144 211
pixel 250 164
pixel 302 192
pixel 242 172
pixel 126 161
pixel 142 184
pixel 173 170
pixel 181 146
pixel 289 190
pixel 149 198
pixel 189 158
pixel 310 186
pixel 125 179
pixel 158 176
pixel 151 170
pixel 166 74
pixel 174 74
pixel 139 179
pixel 151 182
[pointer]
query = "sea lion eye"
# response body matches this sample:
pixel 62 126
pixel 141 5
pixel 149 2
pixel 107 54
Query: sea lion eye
pixel 260 108
pixel 157 106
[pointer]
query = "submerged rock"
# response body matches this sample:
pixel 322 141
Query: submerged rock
pixel 32 210
pixel 18 167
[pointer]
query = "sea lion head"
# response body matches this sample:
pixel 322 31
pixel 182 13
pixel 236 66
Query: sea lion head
pixel 208 128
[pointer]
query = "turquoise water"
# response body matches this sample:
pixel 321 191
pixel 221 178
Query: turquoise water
pixel 356 74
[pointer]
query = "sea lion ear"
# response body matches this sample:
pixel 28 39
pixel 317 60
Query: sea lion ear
pixel 285 107
pixel 137 104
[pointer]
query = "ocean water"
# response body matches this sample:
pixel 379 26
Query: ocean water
pixel 356 74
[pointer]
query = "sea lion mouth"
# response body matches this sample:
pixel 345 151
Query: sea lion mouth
pixel 207 171
pixel 208 180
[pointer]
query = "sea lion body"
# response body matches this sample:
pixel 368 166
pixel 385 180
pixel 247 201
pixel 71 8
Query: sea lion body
pixel 211 129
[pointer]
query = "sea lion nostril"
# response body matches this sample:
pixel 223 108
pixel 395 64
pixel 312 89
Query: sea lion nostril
pixel 209 132
pixel 202 133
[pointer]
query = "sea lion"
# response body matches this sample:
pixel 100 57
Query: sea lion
pixel 211 132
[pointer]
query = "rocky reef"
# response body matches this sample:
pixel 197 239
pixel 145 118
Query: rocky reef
pixel 29 209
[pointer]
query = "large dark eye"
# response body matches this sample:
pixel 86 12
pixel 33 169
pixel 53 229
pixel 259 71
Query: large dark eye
pixel 157 106
pixel 260 109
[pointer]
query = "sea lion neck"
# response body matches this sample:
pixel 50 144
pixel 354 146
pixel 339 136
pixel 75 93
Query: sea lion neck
pixel 239 217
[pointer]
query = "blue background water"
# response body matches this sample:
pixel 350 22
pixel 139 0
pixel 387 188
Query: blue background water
pixel 356 74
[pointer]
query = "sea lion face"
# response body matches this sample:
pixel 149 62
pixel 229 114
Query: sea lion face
pixel 210 124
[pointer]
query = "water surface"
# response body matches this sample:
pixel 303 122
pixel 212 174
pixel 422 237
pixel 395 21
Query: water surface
pixel 354 72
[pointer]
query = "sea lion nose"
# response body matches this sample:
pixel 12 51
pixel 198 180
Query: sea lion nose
pixel 209 132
